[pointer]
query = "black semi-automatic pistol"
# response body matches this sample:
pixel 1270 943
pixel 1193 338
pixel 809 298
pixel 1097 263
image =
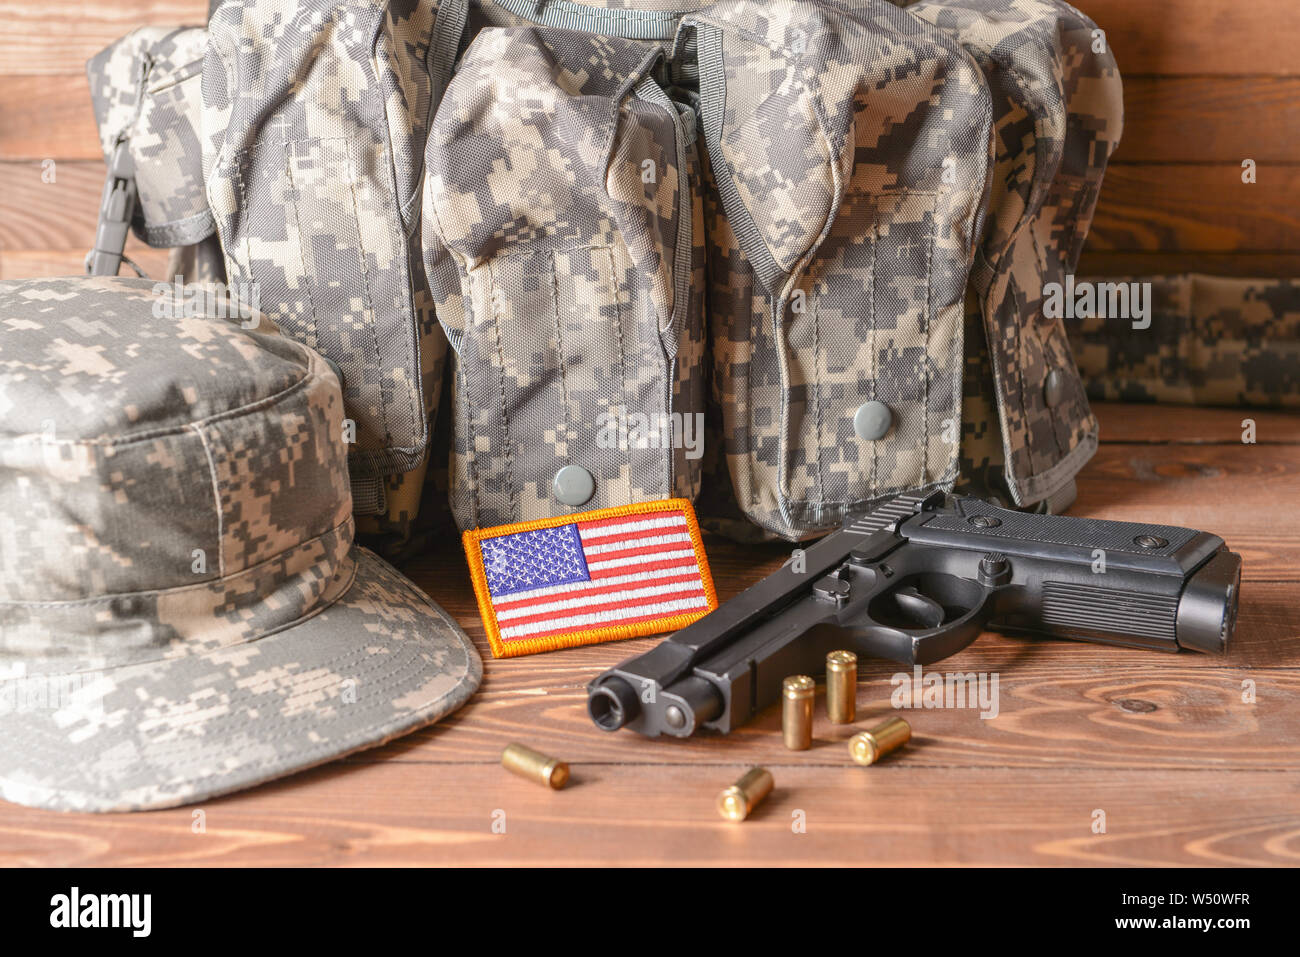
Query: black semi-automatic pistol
pixel 916 581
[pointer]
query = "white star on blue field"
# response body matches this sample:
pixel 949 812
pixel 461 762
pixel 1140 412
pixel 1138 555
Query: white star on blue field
pixel 533 559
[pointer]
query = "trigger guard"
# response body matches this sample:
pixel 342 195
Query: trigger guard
pixel 923 647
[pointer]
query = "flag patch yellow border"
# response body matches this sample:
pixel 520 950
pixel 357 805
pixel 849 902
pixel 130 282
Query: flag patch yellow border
pixel 510 647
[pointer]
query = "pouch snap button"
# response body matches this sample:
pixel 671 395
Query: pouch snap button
pixel 872 420
pixel 573 485
pixel 1054 388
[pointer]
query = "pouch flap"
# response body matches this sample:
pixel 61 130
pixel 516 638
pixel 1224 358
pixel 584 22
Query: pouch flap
pixel 545 132
pixel 1058 113
pixel 776 111
pixel 146 89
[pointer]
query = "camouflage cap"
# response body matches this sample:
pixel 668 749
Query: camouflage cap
pixel 182 610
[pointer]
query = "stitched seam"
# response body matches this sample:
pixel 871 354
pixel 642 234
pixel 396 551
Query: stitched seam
pixel 871 329
pixel 312 613
pixel 559 343
pixel 308 275
pixel 622 353
pixel 176 430
pixel 752 330
pixel 185 72
pixel 370 298
pixel 244 206
pixel 120 596
pixel 471 462
pixel 1051 413
pixel 925 355
pixel 216 500
pixel 501 384
pixel 817 396
pixel 576 11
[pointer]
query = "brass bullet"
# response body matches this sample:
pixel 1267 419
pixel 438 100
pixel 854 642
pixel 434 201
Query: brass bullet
pixel 797 693
pixel 535 766
pixel 737 801
pixel 842 687
pixel 868 747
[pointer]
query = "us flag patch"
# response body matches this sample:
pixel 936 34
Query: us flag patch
pixel 596 576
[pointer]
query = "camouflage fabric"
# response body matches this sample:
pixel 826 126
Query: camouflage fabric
pixel 315 114
pixel 861 239
pixel 145 89
pixel 182 610
pixel 561 211
pixel 1057 116
pixel 850 154
pixel 837 248
pixel 1212 341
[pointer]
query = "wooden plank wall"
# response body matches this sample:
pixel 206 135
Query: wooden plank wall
pixel 1207 83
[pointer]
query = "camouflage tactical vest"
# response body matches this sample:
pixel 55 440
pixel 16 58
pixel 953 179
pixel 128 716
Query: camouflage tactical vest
pixel 820 227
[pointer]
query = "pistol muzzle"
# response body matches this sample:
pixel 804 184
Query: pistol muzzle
pixel 612 703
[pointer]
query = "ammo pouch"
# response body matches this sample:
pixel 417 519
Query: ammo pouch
pixel 315 114
pixel 1058 112
pixel 562 222
pixel 849 152
pixel 145 91
pixel 844 157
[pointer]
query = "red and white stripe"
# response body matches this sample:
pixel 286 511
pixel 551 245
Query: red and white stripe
pixel 642 567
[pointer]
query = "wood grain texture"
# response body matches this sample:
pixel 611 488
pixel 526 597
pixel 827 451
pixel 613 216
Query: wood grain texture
pixel 1211 119
pixel 1203 208
pixel 1194 425
pixel 36 214
pixel 1186 770
pixel 615 815
pixel 57 37
pixel 1247 265
pixel 1202 37
pixel 47 117
pixel 39 263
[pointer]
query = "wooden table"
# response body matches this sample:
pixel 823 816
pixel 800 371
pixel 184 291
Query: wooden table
pixel 1184 769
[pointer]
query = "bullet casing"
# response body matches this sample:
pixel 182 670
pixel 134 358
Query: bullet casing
pixel 736 802
pixel 541 768
pixel 868 747
pixel 797 693
pixel 842 687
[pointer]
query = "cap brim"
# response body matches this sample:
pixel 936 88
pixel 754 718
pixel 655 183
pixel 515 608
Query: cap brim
pixel 381 661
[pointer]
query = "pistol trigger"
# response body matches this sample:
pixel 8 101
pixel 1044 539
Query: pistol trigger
pixel 923 609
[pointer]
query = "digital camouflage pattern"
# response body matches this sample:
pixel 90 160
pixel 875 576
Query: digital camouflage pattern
pixel 314 120
pixel 835 204
pixel 836 254
pixel 1057 117
pixel 561 212
pixel 145 89
pixel 1212 341
pixel 840 250
pixel 176 551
